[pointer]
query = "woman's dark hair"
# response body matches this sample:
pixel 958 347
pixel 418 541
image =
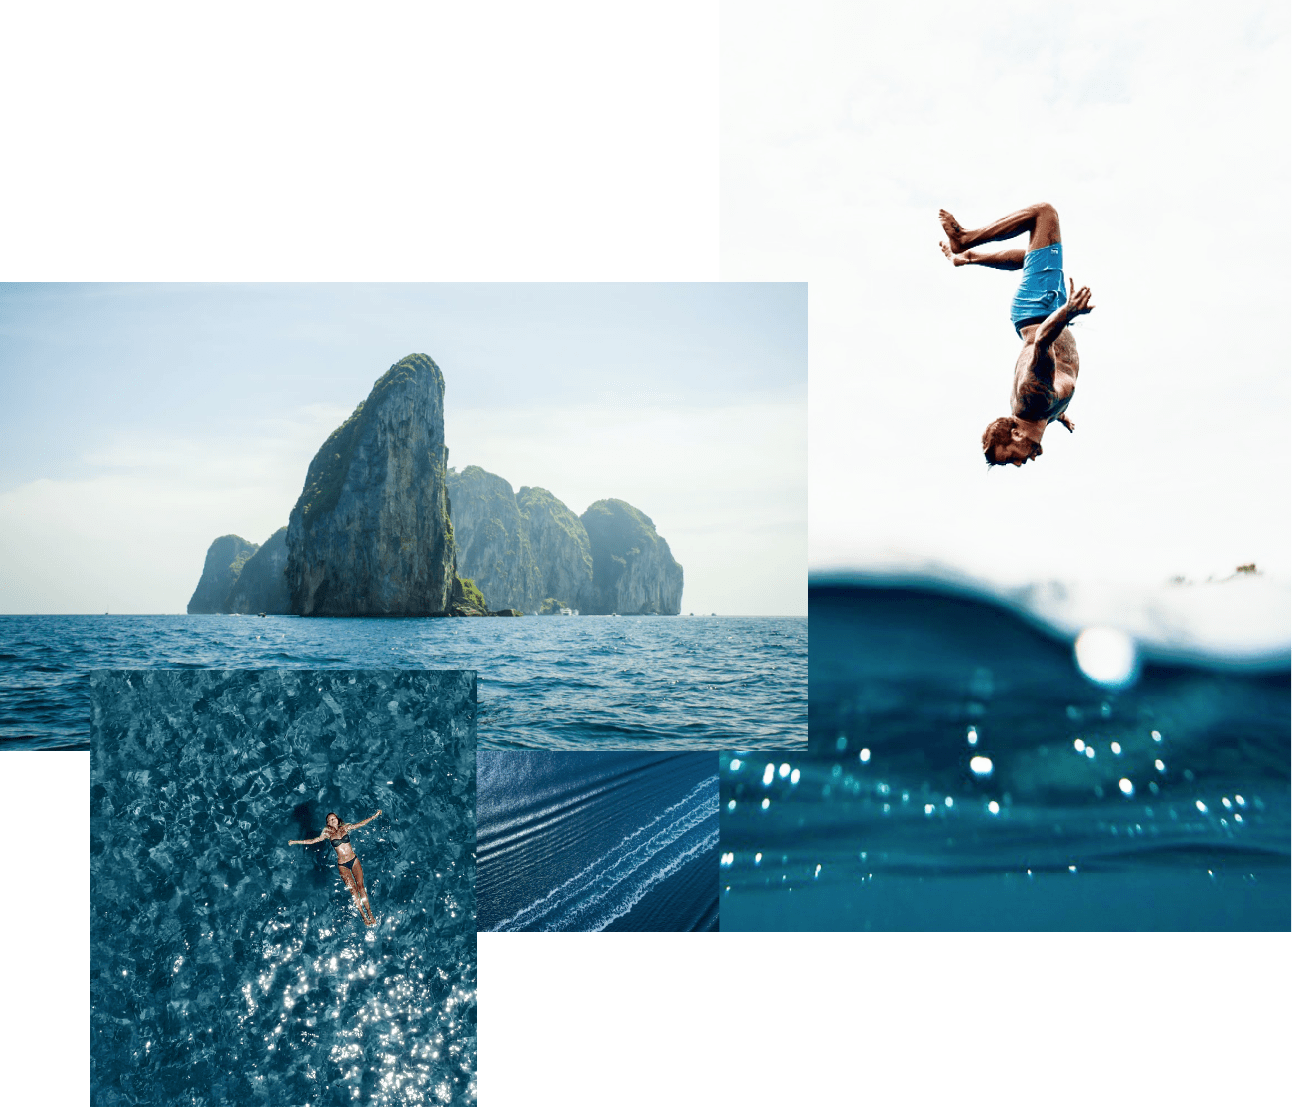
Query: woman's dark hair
pixel 997 434
pixel 333 815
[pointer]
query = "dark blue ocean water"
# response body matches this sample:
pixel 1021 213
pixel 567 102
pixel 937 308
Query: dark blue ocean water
pixel 545 683
pixel 597 841
pixel 962 774
pixel 228 967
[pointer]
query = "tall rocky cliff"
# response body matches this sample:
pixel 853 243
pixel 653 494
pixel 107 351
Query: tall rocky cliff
pixel 561 547
pixel 492 539
pixel 224 561
pixel 262 584
pixel 370 534
pixel 633 571
pixel 531 552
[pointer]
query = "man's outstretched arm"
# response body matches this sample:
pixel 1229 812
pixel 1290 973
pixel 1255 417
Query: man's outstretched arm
pixel 1078 304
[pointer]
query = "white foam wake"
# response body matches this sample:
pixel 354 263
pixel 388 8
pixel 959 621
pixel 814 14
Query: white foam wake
pixel 568 906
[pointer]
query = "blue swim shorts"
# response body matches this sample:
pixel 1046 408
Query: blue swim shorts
pixel 1042 289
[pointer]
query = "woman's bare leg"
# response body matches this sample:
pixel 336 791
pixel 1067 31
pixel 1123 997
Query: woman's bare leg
pixel 1040 222
pixel 364 905
pixel 355 883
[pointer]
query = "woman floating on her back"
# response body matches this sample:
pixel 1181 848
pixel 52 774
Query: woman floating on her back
pixel 338 833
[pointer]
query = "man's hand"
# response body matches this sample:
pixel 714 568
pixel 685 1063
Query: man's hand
pixel 1068 423
pixel 1078 301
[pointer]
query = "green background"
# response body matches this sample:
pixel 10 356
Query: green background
pixel 516 142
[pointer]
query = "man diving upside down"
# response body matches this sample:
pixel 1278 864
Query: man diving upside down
pixel 1045 374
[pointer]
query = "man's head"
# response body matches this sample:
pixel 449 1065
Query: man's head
pixel 1004 443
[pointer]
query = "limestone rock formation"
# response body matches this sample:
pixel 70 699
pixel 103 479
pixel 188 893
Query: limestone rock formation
pixel 262 584
pixel 633 571
pixel 531 552
pixel 383 527
pixel 526 550
pixel 224 561
pixel 561 548
pixel 492 540
pixel 370 533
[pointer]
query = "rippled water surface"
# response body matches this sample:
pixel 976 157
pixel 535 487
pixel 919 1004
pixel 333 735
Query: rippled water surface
pixel 545 683
pixel 228 967
pixel 962 774
pixel 597 841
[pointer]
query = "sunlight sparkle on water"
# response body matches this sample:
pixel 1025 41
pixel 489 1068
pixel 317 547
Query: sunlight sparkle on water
pixel 1128 789
pixel 972 735
pixel 864 755
pixel 1106 656
pixel 794 777
pixel 994 807
pixel 768 773
pixel 981 766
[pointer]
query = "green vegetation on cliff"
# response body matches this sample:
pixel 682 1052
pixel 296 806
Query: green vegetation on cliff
pixel 238 562
pixel 472 594
pixel 533 498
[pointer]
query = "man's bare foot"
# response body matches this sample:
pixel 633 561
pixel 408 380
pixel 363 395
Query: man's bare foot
pixel 952 256
pixel 956 234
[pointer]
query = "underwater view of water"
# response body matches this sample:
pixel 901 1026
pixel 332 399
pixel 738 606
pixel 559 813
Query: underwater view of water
pixel 963 774
pixel 574 683
pixel 227 966
pixel 597 841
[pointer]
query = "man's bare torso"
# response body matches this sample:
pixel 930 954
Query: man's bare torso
pixel 1044 380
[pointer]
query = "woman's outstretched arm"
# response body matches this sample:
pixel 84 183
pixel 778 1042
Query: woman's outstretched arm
pixel 307 841
pixel 355 826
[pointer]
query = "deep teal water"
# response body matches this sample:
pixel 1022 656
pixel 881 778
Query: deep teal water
pixel 229 967
pixel 962 774
pixel 548 683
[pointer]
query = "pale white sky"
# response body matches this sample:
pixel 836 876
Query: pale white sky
pixel 1162 139
pixel 142 421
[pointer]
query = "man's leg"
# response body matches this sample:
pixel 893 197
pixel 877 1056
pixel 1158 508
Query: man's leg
pixel 1040 222
pixel 1001 259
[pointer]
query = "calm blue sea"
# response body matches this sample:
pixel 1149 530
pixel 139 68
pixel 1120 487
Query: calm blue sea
pixel 962 774
pixel 597 841
pixel 545 683
pixel 229 967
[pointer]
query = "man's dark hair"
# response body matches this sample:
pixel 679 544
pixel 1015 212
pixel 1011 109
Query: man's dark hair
pixel 997 434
